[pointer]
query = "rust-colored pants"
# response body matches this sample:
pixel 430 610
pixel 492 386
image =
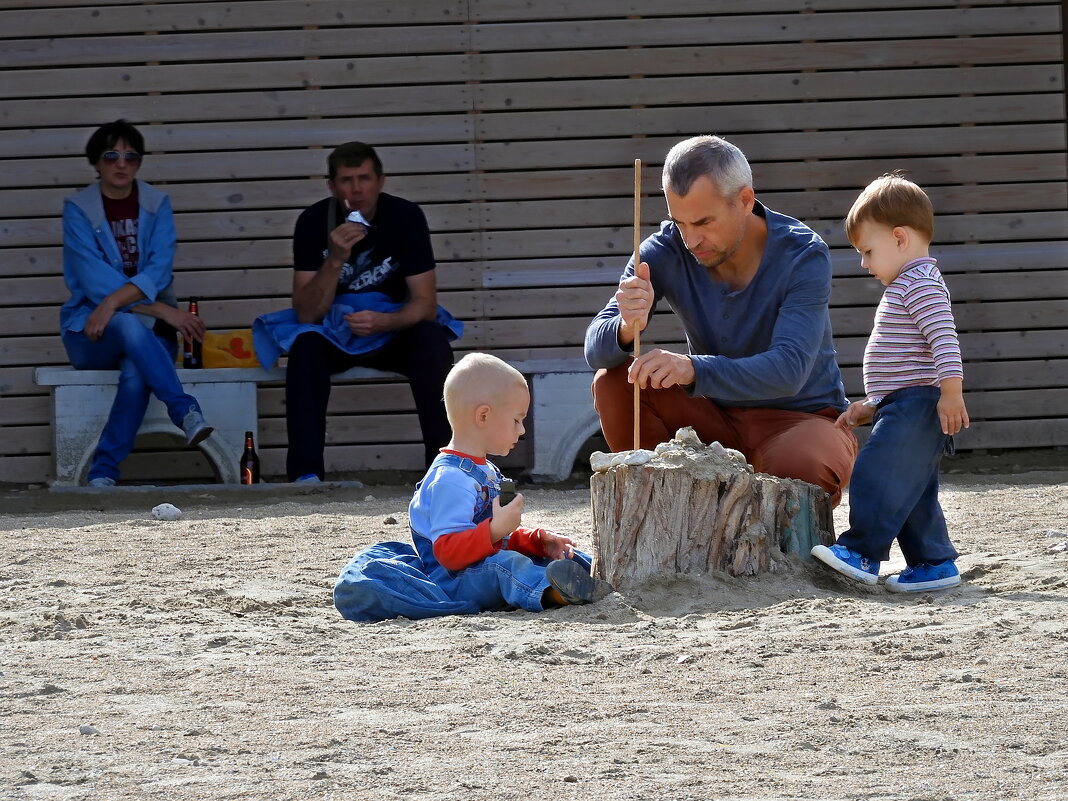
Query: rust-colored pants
pixel 782 443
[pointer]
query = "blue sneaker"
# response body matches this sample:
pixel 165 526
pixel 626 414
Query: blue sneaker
pixel 308 478
pixel 849 563
pixel 924 577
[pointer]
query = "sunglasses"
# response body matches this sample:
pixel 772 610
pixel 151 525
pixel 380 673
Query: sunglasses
pixel 112 156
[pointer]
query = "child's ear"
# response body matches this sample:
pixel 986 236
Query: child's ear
pixel 901 237
pixel 482 412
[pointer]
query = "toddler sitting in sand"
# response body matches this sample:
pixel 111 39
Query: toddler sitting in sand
pixel 470 545
pixel 913 378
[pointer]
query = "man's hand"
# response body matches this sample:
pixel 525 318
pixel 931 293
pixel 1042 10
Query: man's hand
pixel 506 519
pixel 858 413
pixel 365 323
pixel 557 546
pixel 343 239
pixel 98 320
pixel 661 369
pixel 634 297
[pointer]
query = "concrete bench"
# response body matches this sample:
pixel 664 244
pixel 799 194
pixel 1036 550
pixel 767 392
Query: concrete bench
pixel 562 415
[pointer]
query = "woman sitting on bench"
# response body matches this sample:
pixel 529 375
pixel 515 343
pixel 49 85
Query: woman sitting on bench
pixel 118 252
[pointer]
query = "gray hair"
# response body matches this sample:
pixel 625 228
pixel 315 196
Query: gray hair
pixel 717 158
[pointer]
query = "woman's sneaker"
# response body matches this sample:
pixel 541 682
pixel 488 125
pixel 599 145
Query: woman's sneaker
pixel 923 577
pixel 848 562
pixel 195 427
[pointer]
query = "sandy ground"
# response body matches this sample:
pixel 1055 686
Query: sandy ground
pixel 207 661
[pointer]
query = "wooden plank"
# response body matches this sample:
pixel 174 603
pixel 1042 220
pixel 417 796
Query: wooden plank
pixel 996 257
pixel 1052 225
pixel 565 10
pixel 1014 434
pixel 228 224
pixel 232 254
pixel 761 28
pixel 993 316
pixel 518 214
pixel 786 56
pixel 232 46
pixel 1004 177
pixel 550 123
pixel 266 105
pixel 396 397
pixel 725 89
pixel 198 137
pixel 770 176
pixel 523 10
pixel 889 143
pixel 578 301
pixel 214 16
pixel 327 72
pixel 978 348
pixel 1002 285
pixel 238 165
pixel 985 287
pixel 461 217
pixel 25 469
pixel 249 194
pixel 605 240
pixel 1017 404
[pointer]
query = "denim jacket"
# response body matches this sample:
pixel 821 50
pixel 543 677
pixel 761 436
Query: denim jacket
pixel 92 265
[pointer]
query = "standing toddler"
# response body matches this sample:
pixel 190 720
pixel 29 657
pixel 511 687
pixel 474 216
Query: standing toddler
pixel 913 379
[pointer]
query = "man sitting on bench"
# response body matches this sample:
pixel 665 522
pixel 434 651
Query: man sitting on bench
pixel 363 264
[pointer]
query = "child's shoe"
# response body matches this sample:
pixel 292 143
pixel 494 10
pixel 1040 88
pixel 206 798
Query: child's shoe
pixel 574 584
pixel 924 577
pixel 847 562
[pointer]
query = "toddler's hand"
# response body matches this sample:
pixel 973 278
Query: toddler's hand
pixel 952 413
pixel 506 519
pixel 557 546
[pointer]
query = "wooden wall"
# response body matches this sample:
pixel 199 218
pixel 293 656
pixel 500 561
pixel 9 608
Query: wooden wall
pixel 515 124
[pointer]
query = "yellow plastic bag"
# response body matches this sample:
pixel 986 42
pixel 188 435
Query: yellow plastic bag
pixel 229 349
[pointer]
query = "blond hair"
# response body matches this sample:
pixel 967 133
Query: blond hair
pixel 892 200
pixel 478 378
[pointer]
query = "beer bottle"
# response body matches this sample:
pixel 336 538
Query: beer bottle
pixel 191 355
pixel 250 462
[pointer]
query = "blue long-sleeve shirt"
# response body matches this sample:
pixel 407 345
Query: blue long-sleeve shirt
pixel 92 264
pixel 767 345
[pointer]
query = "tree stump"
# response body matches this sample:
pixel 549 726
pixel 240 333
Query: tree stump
pixel 692 508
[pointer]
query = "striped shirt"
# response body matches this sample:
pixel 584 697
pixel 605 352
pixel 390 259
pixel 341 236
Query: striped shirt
pixel 914 340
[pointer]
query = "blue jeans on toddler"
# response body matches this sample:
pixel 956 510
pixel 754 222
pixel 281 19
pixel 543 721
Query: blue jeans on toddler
pixel 146 365
pixel 506 580
pixel 893 493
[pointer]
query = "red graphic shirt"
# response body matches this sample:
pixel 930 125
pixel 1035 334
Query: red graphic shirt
pixel 122 217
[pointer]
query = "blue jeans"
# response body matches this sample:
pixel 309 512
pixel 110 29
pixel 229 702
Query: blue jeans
pixel 894 490
pixel 145 365
pixel 506 580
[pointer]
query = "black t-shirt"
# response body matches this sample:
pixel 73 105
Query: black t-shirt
pixel 396 246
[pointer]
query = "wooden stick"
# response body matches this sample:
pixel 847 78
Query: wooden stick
pixel 637 261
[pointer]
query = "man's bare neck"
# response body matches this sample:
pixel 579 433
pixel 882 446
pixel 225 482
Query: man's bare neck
pixel 739 270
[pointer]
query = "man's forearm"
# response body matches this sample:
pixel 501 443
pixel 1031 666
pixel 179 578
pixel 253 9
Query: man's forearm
pixel 313 300
pixel 414 311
